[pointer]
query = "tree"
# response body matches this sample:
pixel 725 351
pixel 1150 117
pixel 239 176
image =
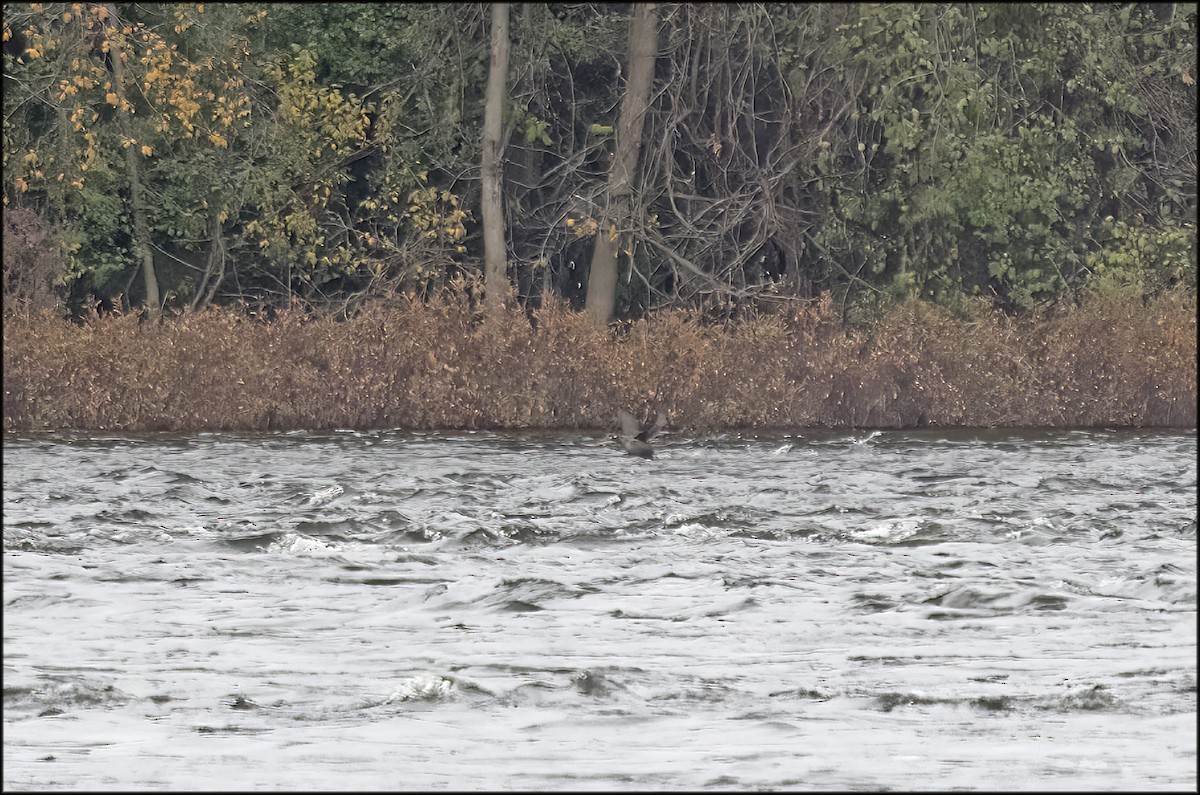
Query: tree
pixel 495 252
pixel 120 128
pixel 137 197
pixel 611 241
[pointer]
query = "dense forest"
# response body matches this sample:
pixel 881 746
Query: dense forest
pixel 721 157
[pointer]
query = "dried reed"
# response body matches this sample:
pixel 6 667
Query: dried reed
pixel 1113 361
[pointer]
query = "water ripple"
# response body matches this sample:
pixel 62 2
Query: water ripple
pixel 861 610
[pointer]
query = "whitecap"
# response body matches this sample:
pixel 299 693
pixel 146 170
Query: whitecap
pixel 303 546
pixel 890 531
pixel 422 688
pixel 322 496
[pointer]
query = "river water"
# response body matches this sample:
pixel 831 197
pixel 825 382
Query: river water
pixel 391 610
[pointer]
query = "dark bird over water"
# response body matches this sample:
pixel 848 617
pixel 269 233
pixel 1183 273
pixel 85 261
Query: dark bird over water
pixel 637 442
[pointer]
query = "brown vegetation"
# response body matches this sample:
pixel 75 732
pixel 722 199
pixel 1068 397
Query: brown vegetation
pixel 1113 361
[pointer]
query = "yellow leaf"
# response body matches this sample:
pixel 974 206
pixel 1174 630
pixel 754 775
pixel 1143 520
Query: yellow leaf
pixel 147 151
pixel 111 99
pixel 66 17
pixel 20 184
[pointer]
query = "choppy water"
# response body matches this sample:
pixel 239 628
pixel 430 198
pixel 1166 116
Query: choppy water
pixel 412 611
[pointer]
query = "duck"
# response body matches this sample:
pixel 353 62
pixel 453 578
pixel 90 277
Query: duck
pixel 637 442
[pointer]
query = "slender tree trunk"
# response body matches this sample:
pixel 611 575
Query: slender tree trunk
pixel 495 248
pixel 602 277
pixel 214 267
pixel 137 201
pixel 522 161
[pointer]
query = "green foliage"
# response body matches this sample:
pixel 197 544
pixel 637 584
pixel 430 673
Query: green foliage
pixel 986 138
pixel 1143 259
pixel 1020 199
pixel 297 191
pixel 531 128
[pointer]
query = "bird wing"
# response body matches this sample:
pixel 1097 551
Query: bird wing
pixel 629 426
pixel 651 431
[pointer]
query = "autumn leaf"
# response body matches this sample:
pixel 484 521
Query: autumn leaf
pixel 111 99
pixel 147 151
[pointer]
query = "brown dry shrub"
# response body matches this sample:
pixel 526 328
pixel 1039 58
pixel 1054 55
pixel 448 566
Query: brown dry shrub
pixel 927 366
pixel 440 364
pixel 572 375
pixel 1119 360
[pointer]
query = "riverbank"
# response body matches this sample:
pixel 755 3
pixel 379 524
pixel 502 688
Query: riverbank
pixel 1113 361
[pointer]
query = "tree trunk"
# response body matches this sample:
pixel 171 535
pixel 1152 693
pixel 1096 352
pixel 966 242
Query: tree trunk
pixel 495 248
pixel 137 201
pixel 214 267
pixel 602 277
